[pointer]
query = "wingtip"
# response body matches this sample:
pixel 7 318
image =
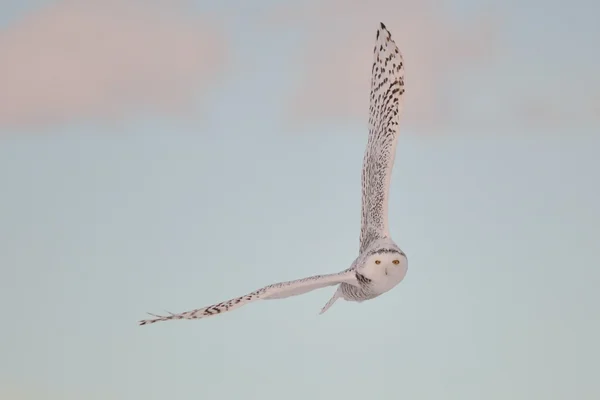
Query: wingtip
pixel 383 28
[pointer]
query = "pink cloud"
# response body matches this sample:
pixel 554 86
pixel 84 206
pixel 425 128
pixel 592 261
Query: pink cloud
pixel 338 60
pixel 105 59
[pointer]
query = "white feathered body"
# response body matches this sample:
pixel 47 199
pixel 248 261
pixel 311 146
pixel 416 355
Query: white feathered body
pixel 376 280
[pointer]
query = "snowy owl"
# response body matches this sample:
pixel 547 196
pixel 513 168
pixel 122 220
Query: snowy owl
pixel 381 264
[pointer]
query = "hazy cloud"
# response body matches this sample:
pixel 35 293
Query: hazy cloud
pixel 105 59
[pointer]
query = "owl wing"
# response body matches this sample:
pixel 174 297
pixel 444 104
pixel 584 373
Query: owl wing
pixel 274 291
pixel 387 89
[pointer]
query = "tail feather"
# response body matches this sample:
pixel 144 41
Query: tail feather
pixel 335 296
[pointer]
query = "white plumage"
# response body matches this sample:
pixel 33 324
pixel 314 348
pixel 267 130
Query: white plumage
pixel 381 265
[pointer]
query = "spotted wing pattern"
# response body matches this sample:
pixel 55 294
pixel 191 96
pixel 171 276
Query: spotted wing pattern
pixel 275 291
pixel 387 89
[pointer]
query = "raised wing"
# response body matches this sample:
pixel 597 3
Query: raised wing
pixel 275 291
pixel 387 88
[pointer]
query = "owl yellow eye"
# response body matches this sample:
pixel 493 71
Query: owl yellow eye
pixel 377 262
pixel 396 262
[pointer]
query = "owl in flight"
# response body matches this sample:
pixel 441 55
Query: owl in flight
pixel 381 264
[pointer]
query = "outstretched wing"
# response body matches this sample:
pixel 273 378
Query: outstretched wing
pixel 275 291
pixel 387 88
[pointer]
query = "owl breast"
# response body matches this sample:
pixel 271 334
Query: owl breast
pixel 354 293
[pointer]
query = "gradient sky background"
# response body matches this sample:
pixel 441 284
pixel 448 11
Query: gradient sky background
pixel 159 156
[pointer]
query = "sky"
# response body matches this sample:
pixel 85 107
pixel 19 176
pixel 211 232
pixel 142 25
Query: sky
pixel 160 156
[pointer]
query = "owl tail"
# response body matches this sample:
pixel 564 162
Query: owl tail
pixel 335 296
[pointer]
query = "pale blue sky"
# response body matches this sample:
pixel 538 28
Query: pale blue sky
pixel 103 220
